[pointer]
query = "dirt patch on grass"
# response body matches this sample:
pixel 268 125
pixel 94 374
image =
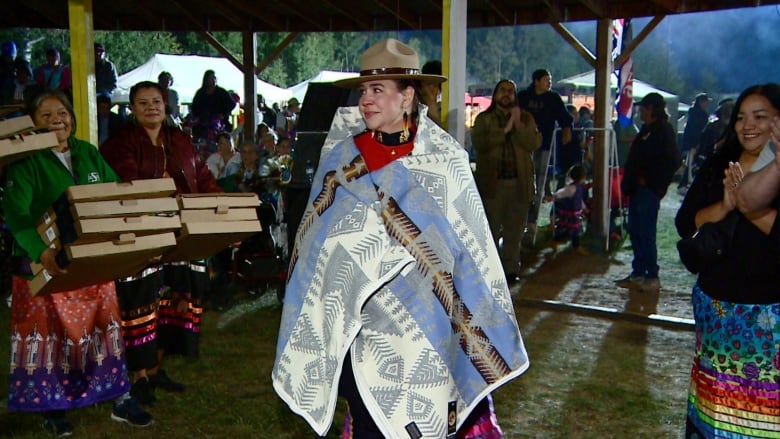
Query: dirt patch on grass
pixel 594 375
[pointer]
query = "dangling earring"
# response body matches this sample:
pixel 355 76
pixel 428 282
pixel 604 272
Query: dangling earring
pixel 405 133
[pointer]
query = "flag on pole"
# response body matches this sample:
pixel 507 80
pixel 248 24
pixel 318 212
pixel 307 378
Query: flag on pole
pixel 621 36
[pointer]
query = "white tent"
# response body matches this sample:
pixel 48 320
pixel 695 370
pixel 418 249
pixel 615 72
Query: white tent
pixel 187 72
pixel 588 80
pixel 640 90
pixel 298 91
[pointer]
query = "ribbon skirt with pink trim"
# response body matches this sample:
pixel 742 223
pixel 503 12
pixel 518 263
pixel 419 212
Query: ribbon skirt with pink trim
pixel 735 379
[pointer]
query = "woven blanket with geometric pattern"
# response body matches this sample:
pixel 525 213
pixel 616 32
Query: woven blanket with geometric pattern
pixel 398 267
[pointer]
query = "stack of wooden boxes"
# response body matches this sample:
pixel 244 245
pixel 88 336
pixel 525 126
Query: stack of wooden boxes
pixel 107 231
pixel 212 222
pixel 19 138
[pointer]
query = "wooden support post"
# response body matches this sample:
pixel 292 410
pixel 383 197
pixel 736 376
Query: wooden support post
pixel 453 48
pixel 602 116
pixel 82 65
pixel 249 46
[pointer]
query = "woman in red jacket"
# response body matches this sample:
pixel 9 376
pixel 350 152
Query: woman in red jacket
pixel 147 148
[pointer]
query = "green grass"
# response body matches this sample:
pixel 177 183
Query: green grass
pixel 589 377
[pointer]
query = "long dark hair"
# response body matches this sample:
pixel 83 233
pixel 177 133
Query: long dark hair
pixel 731 147
pixel 206 75
pixel 492 105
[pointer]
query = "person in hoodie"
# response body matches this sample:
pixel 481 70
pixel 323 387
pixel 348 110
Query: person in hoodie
pixel 549 111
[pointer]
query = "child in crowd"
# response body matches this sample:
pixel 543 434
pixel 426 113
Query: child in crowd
pixel 569 207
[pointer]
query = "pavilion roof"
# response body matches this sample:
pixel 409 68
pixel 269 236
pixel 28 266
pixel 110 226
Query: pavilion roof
pixel 338 15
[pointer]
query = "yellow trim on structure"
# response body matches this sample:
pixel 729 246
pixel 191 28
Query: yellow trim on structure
pixel 446 29
pixel 82 66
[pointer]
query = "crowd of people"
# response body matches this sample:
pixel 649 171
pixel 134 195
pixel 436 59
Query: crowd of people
pixel 107 342
pixel 402 282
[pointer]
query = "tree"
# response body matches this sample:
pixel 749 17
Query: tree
pixel 128 50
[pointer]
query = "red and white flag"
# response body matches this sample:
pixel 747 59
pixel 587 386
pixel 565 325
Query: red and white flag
pixel 621 36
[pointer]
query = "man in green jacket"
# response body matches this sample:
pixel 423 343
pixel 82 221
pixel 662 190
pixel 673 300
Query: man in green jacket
pixel 504 138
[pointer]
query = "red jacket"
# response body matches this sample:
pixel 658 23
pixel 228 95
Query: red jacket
pixel 132 155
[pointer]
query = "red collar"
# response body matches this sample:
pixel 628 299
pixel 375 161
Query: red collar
pixel 378 155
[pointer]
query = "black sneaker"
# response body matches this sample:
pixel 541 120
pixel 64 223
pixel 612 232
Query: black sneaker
pixel 56 424
pixel 131 414
pixel 143 392
pixel 163 381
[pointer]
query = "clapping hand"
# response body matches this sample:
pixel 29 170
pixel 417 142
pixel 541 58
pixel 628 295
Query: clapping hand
pixel 733 176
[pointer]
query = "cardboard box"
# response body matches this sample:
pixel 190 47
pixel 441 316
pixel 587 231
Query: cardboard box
pixel 114 226
pixel 14 125
pixel 211 215
pixel 18 148
pixel 203 239
pixel 130 207
pixel 103 261
pixel 152 188
pixel 218 201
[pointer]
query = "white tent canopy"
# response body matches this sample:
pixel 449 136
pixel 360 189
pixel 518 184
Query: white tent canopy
pixel 640 90
pixel 187 72
pixel 588 80
pixel 298 91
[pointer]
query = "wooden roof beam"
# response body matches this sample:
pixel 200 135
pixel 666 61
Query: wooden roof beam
pixel 670 5
pixel 41 12
pixel 555 11
pixel 595 6
pixel 400 13
pixel 506 16
pixel 230 15
pixel 274 20
pixel 202 31
pixel 151 19
pixel 636 41
pixel 276 52
pixel 586 54
pixel 437 4
pixel 360 20
pixel 304 14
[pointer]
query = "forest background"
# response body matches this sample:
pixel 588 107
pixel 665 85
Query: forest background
pixel 718 52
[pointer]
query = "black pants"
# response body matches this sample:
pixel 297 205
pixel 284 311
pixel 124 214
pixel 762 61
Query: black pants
pixel 363 427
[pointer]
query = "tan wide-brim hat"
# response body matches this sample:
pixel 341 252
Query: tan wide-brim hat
pixel 389 59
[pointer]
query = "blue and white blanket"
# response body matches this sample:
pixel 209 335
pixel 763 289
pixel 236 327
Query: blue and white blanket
pixel 398 267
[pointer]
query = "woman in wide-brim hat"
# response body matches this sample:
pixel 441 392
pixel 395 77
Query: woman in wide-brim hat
pixel 393 274
pixel 389 82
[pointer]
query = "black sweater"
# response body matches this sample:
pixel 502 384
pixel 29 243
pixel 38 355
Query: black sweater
pixel 749 272
pixel 652 160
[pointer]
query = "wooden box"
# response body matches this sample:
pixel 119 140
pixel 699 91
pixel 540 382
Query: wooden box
pixel 107 228
pixel 14 125
pixel 218 201
pixel 203 239
pixel 17 148
pixel 112 208
pixel 103 261
pixel 152 188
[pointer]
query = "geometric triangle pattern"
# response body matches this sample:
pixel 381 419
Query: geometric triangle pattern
pixel 398 266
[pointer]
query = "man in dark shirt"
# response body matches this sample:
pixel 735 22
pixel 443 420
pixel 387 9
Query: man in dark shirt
pixel 105 72
pixel 108 122
pixel 548 109
pixel 698 115
pixel 652 162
